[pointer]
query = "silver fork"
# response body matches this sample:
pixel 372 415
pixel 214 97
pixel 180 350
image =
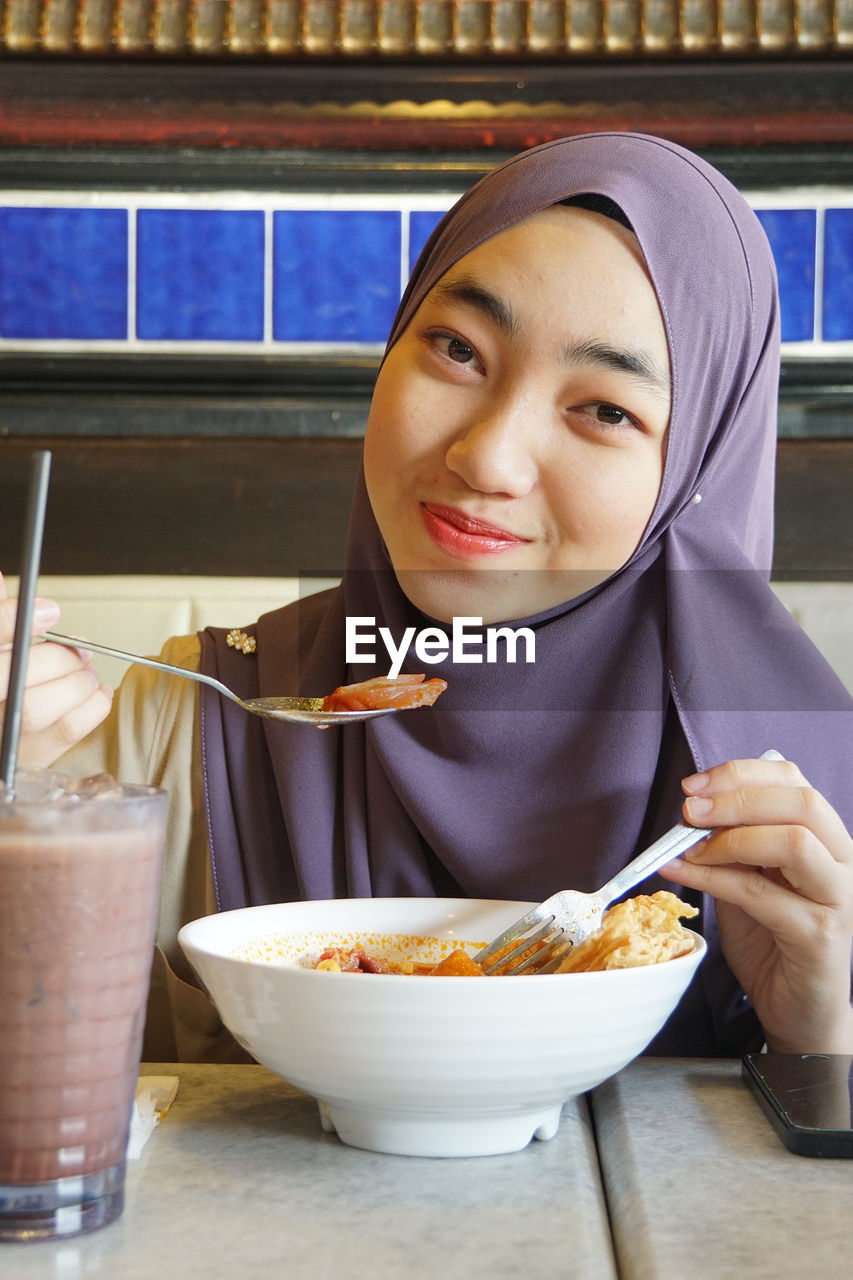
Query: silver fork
pixel 303 710
pixel 570 916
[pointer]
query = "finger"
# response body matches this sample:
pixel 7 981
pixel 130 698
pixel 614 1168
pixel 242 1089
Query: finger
pixel 45 662
pixel 735 774
pixel 791 856
pixel 794 806
pixel 49 702
pixel 42 749
pixel 788 915
pixel 45 614
pixel 80 649
pixel 7 621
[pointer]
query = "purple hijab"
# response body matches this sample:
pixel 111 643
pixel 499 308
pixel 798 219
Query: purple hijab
pixel 525 779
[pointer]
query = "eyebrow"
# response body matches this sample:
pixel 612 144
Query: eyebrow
pixel 468 292
pixel 637 363
pixel 640 365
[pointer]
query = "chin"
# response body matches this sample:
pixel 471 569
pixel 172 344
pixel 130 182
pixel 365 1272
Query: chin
pixel 494 595
pixel 440 595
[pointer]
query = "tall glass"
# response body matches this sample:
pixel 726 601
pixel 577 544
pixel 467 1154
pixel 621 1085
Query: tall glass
pixel 79 887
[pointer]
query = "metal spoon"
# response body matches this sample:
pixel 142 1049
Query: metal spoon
pixel 303 710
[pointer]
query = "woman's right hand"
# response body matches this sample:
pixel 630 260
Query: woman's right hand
pixel 64 698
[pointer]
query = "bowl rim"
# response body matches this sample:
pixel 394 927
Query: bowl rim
pixel 695 955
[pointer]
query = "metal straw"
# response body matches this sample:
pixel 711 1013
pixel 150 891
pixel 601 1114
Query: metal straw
pixel 31 558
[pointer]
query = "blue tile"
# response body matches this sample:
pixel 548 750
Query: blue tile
pixel 200 275
pixel 336 275
pixel 791 233
pixel 63 273
pixel 421 226
pixel 838 275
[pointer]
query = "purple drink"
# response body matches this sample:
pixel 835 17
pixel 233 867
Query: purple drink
pixel 79 890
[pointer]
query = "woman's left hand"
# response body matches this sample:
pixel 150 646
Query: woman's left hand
pixel 781 870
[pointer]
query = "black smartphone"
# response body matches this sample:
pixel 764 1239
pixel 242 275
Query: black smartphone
pixel 808 1098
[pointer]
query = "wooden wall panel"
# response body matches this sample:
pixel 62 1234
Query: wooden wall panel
pixel 259 507
pixel 280 507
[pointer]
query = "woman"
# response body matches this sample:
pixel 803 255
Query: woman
pixel 573 431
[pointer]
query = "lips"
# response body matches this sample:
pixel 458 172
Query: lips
pixel 465 536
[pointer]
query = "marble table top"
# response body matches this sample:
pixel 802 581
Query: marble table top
pixel 699 1184
pixel 238 1180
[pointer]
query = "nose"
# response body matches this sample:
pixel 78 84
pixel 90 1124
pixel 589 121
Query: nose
pixel 493 453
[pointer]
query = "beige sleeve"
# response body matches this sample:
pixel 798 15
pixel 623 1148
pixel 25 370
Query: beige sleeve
pixel 151 736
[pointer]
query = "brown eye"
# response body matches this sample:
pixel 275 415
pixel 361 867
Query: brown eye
pixel 607 415
pixel 459 351
pixel 610 414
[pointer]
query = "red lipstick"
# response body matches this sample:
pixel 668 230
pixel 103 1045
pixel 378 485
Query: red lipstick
pixel 464 536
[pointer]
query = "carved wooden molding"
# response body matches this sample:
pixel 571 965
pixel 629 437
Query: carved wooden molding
pixel 427 29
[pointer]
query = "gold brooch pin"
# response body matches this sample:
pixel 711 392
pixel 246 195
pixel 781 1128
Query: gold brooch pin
pixel 237 639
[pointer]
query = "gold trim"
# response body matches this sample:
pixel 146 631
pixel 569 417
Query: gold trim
pixel 429 29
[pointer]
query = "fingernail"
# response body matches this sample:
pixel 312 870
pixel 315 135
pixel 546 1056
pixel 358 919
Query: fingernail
pixel 45 611
pixel 696 782
pixel 698 806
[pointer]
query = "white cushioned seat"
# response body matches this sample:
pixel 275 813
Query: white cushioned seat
pixel 139 611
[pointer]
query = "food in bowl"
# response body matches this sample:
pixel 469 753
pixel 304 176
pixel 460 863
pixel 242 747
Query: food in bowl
pixel 458 964
pixel 645 929
pixel 400 692
pixel 464 1068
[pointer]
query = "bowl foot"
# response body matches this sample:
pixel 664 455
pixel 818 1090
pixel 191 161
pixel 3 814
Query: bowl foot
pixel 443 1136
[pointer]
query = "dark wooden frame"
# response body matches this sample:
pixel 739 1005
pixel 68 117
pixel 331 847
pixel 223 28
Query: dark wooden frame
pixel 458 106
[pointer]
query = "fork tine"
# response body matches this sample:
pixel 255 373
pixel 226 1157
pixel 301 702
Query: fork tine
pixel 557 955
pixel 542 913
pixel 554 949
pixel 525 942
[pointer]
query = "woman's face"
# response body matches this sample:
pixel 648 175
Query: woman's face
pixel 517 434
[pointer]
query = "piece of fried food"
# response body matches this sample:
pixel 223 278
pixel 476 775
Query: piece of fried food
pixel 457 965
pixel 642 930
pixel 400 692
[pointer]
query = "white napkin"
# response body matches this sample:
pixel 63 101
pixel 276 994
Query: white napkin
pixel 154 1096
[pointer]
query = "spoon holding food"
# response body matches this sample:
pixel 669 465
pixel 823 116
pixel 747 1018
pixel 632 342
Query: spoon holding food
pixel 346 705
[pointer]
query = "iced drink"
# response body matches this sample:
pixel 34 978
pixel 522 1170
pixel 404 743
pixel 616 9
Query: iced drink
pixel 79 888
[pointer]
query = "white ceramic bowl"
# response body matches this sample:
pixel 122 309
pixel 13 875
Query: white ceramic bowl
pixel 419 1065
